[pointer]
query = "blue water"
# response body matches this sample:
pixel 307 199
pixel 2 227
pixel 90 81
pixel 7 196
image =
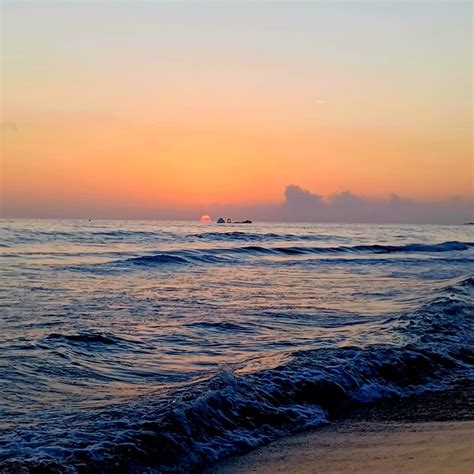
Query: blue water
pixel 162 346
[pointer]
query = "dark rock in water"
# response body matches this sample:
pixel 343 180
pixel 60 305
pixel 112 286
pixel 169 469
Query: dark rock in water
pixel 220 220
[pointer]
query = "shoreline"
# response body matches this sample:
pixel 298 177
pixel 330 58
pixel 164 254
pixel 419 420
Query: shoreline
pixel 362 447
pixel 428 433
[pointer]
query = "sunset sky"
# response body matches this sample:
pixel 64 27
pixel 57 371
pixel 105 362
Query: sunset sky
pixel 154 109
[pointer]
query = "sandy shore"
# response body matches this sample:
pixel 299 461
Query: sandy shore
pixel 361 447
pixel 399 436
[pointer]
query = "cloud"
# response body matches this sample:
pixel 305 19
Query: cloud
pixel 295 196
pixel 301 204
pixel 298 205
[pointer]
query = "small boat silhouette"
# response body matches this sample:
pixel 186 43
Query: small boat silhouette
pixel 229 221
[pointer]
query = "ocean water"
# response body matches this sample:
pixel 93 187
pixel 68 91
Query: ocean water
pixel 163 346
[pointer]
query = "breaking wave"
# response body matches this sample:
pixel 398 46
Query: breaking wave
pixel 234 411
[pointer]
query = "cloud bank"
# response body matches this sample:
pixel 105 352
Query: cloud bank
pixel 298 205
pixel 301 205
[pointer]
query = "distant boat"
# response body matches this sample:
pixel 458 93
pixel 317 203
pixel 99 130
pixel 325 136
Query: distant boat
pixel 229 221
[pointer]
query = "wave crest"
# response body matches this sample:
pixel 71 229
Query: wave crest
pixel 232 254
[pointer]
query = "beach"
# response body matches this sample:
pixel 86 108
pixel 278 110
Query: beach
pixel 236 237
pixel 360 447
pixel 171 346
pixel 391 437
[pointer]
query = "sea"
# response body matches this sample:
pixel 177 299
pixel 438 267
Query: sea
pixel 141 346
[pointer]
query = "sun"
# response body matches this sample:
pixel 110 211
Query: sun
pixel 205 218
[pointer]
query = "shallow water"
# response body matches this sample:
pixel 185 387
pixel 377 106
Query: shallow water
pixel 168 345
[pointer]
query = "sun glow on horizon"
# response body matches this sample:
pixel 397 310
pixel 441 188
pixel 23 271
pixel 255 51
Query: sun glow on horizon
pixel 229 104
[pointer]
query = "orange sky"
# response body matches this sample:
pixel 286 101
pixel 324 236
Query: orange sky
pixel 172 106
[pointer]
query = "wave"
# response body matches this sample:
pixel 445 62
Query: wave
pixel 233 412
pixel 88 338
pixel 186 257
pixel 156 260
pixel 87 236
pixel 441 247
pixel 254 237
pixel 221 326
pixel 228 255
pixel 378 249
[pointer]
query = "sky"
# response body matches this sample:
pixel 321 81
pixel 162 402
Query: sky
pixel 323 110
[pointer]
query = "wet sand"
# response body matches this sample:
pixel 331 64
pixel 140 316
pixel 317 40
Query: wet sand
pixel 432 433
